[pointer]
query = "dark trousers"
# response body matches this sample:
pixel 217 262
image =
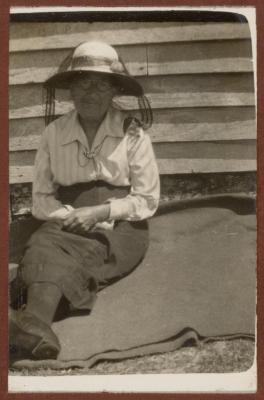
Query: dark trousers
pixel 82 265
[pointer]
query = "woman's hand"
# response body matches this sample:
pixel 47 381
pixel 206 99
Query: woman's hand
pixel 81 220
pixel 61 213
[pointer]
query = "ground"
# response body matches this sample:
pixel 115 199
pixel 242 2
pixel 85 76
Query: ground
pixel 215 357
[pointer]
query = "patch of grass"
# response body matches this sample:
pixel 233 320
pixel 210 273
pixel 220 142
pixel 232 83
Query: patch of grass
pixel 215 357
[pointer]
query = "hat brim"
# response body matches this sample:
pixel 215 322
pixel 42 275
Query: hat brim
pixel 129 85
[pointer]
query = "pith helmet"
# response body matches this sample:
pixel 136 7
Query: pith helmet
pixel 96 57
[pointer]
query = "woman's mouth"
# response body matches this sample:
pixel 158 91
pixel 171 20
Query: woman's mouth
pixel 89 102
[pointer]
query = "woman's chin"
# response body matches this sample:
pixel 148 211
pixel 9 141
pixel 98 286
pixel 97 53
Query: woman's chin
pixel 90 112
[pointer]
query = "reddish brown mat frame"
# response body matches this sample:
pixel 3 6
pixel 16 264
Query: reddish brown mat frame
pixel 4 22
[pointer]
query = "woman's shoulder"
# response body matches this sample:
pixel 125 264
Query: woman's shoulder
pixel 56 129
pixel 61 121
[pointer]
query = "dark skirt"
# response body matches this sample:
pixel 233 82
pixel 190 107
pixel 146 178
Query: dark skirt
pixel 82 265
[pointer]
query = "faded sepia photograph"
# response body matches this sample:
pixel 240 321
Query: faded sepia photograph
pixel 132 172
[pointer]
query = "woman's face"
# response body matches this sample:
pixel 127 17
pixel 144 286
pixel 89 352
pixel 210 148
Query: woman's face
pixel 92 95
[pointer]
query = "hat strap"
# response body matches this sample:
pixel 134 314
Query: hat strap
pixel 145 111
pixel 49 105
pixel 66 62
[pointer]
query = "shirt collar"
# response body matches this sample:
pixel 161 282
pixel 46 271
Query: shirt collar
pixel 112 125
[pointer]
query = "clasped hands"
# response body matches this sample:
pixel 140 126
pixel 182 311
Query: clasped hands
pixel 83 219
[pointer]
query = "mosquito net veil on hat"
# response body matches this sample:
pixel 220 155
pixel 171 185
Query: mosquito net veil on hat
pixel 102 59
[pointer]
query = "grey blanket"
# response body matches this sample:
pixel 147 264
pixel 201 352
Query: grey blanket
pixel 197 282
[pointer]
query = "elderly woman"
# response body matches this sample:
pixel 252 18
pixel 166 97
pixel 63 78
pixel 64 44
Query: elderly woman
pixel 95 185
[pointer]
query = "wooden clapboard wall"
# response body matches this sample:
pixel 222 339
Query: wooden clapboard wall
pixel 198 76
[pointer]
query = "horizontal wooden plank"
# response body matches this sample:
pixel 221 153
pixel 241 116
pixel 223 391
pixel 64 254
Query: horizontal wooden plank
pixel 190 51
pixel 200 57
pixel 142 53
pixel 186 58
pixel 237 150
pixel 182 166
pixel 69 35
pixel 166 166
pixel 222 131
pixel 20 174
pixel 180 118
pixel 26 127
pixel 21 76
pixel 170 133
pixel 174 100
pixel 189 166
pixel 201 66
pixel 24 76
pixel 157 101
pixel 32 94
pixel 52 58
pixel 226 82
pixel 24 143
pixel 22 158
pixel 201 115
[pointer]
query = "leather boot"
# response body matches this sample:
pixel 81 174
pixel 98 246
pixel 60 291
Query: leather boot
pixel 30 336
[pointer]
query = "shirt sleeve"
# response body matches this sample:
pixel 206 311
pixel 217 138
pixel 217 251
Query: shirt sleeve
pixel 44 187
pixel 143 199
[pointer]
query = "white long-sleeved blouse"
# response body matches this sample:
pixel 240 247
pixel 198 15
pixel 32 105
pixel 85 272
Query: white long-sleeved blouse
pixel 65 158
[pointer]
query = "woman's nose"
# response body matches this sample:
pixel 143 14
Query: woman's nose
pixel 92 90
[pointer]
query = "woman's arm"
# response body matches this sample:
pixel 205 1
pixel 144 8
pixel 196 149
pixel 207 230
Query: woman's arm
pixel 45 204
pixel 143 200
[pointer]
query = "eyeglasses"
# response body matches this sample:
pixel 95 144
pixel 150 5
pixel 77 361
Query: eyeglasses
pixel 100 85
